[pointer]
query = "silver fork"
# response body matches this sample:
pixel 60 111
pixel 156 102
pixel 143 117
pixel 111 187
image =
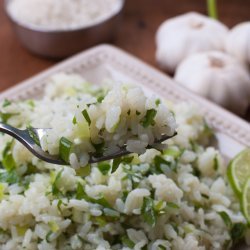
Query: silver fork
pixel 24 136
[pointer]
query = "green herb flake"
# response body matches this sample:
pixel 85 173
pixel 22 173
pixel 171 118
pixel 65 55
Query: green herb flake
pixel 172 152
pixel 159 162
pixel 10 177
pixel 196 172
pixel 100 98
pixel 172 205
pixel 104 167
pixel 149 118
pixel 205 196
pixel 6 103
pixel 100 221
pixel 65 148
pixel 129 111
pixel 119 160
pixel 31 103
pixel 6 116
pixel 74 120
pixel 83 171
pixel 31 169
pixel 48 236
pixel 225 217
pixel 134 177
pixel 33 135
pixel 148 212
pixel 175 227
pixel 8 161
pixel 86 116
pixel 127 242
pixel 2 188
pixel 216 163
pixel 157 102
pixel 137 112
pixel 238 231
pixel 80 193
pixel 158 206
pixel 59 204
pixel 54 185
pixel 53 226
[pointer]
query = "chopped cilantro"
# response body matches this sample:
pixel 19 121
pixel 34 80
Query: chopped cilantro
pixel 48 236
pixel 10 177
pixel 161 162
pixel 54 185
pixel 6 103
pixel 65 148
pixel 74 120
pixel 157 102
pixel 225 217
pixel 104 167
pixel 31 103
pixel 100 98
pixel 33 135
pixel 86 116
pixel 6 116
pixel 83 171
pixel 175 153
pixel 172 205
pixel 216 163
pixel 127 242
pixel 59 204
pixel 148 211
pixel 8 161
pixel 205 196
pixel 159 205
pixel 118 161
pixel 134 177
pixel 237 232
pixel 53 226
pixel 149 118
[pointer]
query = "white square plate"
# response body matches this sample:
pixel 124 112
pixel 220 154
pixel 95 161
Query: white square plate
pixel 107 62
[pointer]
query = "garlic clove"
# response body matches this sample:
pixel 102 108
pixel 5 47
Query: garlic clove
pixel 238 42
pixel 186 34
pixel 218 77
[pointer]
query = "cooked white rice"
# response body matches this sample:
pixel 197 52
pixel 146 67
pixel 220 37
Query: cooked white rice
pixel 62 14
pixel 176 199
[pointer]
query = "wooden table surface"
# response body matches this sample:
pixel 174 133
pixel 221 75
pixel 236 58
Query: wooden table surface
pixel 136 35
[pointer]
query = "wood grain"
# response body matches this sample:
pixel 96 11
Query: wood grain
pixel 136 34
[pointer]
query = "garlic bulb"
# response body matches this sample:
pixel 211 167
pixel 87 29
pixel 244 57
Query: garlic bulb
pixel 238 42
pixel 218 77
pixel 186 34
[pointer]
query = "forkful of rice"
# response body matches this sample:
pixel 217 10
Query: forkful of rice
pixel 122 121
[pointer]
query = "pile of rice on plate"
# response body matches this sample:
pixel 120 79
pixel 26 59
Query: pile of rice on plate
pixel 177 198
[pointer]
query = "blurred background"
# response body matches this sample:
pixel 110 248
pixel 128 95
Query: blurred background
pixel 136 34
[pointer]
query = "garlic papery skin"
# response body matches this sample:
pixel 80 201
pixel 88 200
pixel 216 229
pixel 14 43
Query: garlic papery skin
pixel 216 76
pixel 187 34
pixel 238 42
